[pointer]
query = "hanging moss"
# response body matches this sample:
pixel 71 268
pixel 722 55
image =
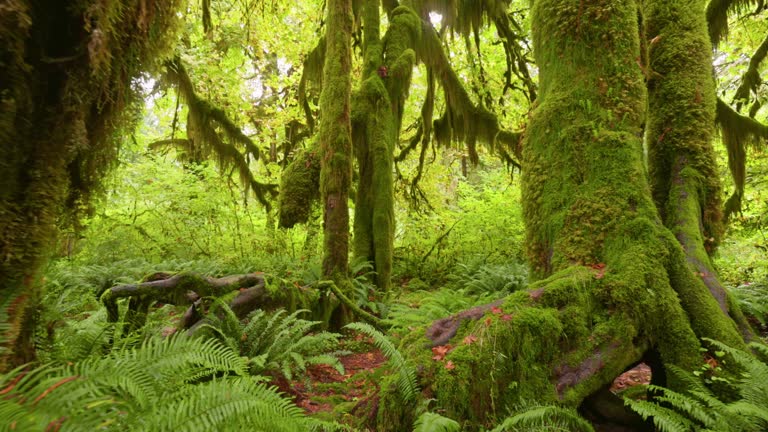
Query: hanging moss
pixel 463 120
pixel 738 133
pixel 203 123
pixel 65 96
pixel 717 16
pixel 299 188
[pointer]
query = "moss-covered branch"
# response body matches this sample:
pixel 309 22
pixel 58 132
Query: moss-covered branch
pixel 357 310
pixel 312 74
pixel 202 123
pixel 751 80
pixel 738 133
pixel 463 120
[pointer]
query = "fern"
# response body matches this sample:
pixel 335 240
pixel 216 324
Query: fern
pixel 497 280
pixel 422 307
pixel 5 325
pixel 753 301
pixel 278 343
pixel 545 418
pixel 697 407
pixel 365 291
pixel 406 382
pixel 431 422
pixel 185 384
pixel 665 419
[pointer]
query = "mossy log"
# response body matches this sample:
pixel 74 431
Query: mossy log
pixel 615 286
pixel 190 288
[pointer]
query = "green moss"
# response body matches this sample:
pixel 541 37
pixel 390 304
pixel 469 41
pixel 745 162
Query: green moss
pixel 681 114
pixel 299 188
pixel 335 139
pixel 377 118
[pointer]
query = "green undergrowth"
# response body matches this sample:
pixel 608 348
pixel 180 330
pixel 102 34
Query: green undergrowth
pixel 181 383
pixel 278 343
pixel 468 286
pixel 728 393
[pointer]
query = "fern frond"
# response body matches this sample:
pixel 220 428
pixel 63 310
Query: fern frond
pixel 130 390
pixel 278 342
pixel 432 422
pixel 406 381
pixel 546 417
pixel 665 419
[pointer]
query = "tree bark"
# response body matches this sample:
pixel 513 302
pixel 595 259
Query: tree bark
pixel 681 119
pixel 64 84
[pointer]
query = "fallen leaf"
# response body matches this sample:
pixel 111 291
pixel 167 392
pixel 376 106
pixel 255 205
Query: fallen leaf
pixel 449 365
pixel 488 322
pixel 469 340
pixel 506 317
pixel 496 310
pixel 440 351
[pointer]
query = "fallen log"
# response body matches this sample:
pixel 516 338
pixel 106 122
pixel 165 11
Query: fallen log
pixel 188 288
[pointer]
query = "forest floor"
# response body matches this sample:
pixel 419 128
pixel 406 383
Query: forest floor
pixel 327 394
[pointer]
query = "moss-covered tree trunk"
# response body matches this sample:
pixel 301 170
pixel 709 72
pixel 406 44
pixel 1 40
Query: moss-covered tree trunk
pixel 681 120
pixel 65 78
pixel 614 285
pixel 335 140
pixel 378 114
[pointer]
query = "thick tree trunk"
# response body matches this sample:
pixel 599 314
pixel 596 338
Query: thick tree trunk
pixel 614 286
pixel 65 77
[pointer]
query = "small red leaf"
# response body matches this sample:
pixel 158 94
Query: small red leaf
pixel 506 317
pixel 488 322
pixel 496 310
pixel 449 365
pixel 469 340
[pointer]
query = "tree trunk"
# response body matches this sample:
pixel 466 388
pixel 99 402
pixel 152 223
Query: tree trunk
pixel 378 115
pixel 681 120
pixel 336 142
pixel 614 284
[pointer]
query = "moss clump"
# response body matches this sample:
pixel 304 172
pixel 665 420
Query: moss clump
pixel 299 188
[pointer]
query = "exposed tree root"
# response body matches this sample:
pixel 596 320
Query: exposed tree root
pixel 189 288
